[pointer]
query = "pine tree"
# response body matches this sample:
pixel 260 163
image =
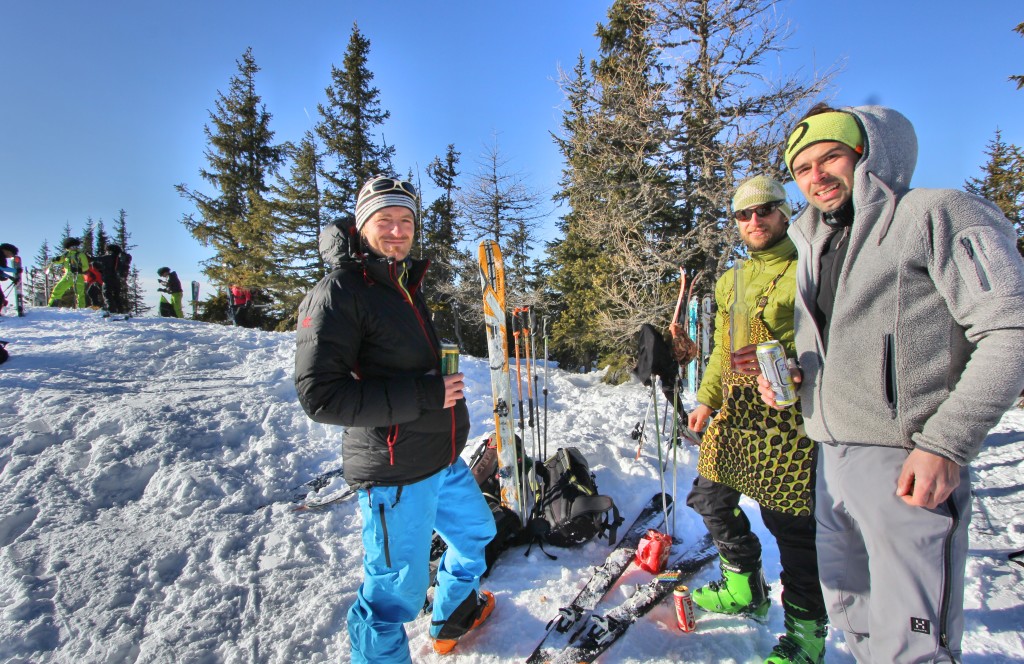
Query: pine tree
pixel 237 221
pixel 439 239
pixel 101 238
pixel 121 234
pixel 136 295
pixel 611 265
pixel 89 237
pixel 348 121
pixel 40 290
pixel 297 210
pixel 1003 182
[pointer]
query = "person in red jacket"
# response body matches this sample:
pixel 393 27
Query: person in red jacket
pixel 93 284
pixel 239 303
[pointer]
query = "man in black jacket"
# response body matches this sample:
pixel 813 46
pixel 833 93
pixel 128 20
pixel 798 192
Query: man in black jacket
pixel 368 359
pixel 113 266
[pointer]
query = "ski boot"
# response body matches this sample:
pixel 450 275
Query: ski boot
pixel 467 616
pixel 803 642
pixel 736 593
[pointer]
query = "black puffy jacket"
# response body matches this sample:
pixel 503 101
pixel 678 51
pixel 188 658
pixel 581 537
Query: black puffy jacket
pixel 367 358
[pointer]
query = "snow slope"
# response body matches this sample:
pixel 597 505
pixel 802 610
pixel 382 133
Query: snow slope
pixel 137 461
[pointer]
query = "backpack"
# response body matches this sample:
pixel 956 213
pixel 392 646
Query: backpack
pixel 569 511
pixel 124 265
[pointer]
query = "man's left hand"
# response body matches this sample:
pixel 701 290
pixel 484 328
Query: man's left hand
pixel 927 479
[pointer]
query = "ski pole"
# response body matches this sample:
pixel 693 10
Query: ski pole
pixel 519 377
pixel 639 429
pixel 545 332
pixel 657 437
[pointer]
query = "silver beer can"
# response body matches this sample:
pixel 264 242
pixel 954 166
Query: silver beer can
pixel 772 360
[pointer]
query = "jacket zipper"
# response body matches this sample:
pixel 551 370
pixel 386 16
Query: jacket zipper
pixel 978 267
pixel 889 373
pixel 947 573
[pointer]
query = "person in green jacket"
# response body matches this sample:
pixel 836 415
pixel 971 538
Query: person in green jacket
pixel 751 449
pixel 76 264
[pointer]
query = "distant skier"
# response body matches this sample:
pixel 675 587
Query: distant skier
pixel 75 262
pixel 7 272
pixel 171 285
pixel 239 304
pixel 93 286
pixel 368 359
pixel 114 268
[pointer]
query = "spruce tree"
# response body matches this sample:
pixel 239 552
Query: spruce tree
pixel 101 239
pixel 242 157
pixel 297 209
pixel 439 242
pixel 348 120
pixel 89 237
pixel 121 234
pixel 1002 182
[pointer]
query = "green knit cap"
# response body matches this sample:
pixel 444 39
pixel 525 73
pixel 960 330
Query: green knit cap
pixel 759 190
pixel 832 126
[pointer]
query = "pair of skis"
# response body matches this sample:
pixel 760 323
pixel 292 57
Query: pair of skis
pixel 580 633
pixel 512 465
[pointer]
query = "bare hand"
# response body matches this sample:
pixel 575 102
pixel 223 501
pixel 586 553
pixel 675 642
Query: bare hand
pixel 927 479
pixel 698 418
pixel 453 386
pixel 764 388
pixel 744 361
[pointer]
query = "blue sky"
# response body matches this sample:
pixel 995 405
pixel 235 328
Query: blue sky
pixel 103 102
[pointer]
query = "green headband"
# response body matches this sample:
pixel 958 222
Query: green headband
pixel 832 126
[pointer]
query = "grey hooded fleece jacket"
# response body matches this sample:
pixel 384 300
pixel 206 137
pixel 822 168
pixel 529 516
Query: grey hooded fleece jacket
pixel 926 339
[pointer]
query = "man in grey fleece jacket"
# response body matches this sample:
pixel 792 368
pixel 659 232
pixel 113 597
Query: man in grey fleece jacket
pixel 910 340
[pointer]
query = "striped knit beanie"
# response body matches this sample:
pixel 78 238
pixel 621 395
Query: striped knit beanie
pixel 759 190
pixel 381 192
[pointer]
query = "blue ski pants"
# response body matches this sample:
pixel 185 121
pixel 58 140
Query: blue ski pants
pixel 892 574
pixel 398 523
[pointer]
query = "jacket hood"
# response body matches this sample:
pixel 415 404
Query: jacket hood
pixel 339 243
pixel 890 149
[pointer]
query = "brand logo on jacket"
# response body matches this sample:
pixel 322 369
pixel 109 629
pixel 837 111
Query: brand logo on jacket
pixel 920 625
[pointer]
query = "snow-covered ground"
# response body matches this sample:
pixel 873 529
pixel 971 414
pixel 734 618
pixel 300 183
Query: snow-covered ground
pixel 136 459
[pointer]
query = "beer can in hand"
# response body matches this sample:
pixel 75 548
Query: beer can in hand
pixel 772 360
pixel 686 616
pixel 449 359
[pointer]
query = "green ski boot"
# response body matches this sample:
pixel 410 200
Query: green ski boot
pixel 735 593
pixel 803 642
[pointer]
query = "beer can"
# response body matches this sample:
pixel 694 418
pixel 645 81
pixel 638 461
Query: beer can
pixel 772 360
pixel 686 616
pixel 449 359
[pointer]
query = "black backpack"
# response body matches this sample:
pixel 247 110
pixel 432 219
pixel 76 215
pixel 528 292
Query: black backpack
pixel 569 510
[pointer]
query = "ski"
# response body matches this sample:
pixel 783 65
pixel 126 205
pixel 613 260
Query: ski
pixel 692 376
pixel 1017 557
pixel 19 303
pixel 706 311
pixel 603 630
pixel 560 628
pixel 510 475
pixel 306 495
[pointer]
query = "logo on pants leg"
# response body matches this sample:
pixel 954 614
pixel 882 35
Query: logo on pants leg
pixel 920 625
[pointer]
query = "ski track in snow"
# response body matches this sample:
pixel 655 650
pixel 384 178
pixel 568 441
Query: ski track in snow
pixel 139 465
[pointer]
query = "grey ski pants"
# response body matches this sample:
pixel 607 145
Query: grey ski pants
pixel 892 574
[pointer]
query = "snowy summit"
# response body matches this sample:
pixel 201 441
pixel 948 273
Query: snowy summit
pixel 146 475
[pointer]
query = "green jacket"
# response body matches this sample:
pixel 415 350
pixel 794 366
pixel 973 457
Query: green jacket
pixel 74 260
pixel 758 271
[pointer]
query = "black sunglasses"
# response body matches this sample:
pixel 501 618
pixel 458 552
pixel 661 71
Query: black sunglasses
pixel 390 184
pixel 760 210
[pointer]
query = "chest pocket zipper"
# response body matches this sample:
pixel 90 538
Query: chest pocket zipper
pixel 978 267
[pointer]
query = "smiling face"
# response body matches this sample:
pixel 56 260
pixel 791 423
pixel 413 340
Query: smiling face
pixel 390 231
pixel 762 232
pixel 824 174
